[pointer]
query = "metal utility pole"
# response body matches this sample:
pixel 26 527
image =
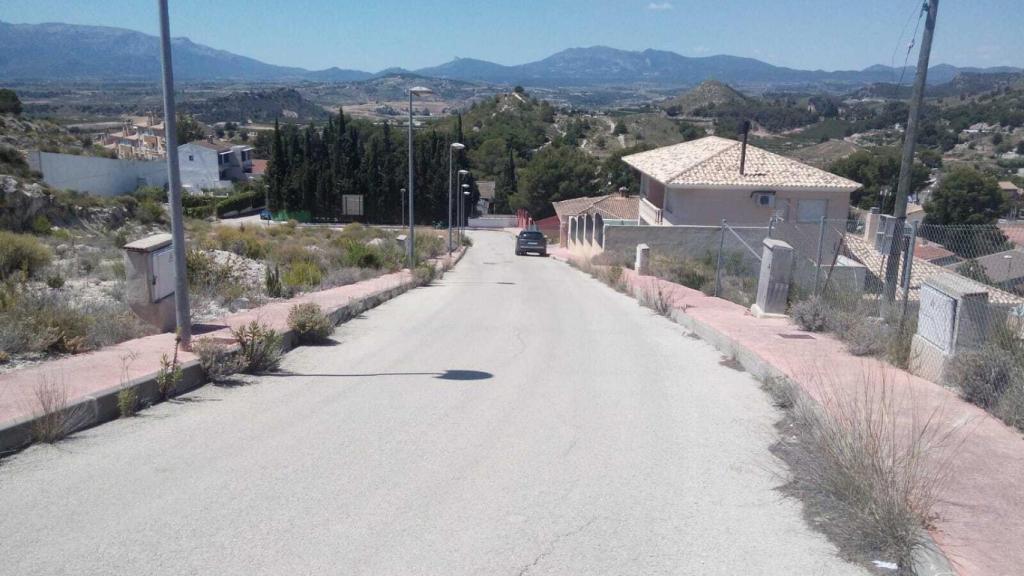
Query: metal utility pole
pixel 174 184
pixel 892 266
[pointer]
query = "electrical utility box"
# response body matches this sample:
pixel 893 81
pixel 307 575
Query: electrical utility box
pixel 149 280
pixel 162 267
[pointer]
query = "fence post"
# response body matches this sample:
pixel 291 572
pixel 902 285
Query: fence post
pixel 718 268
pixel 821 247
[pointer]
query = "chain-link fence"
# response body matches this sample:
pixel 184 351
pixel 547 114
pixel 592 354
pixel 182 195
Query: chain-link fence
pixel 720 260
pixel 871 284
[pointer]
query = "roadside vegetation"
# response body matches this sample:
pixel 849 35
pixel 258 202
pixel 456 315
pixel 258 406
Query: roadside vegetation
pixel 868 466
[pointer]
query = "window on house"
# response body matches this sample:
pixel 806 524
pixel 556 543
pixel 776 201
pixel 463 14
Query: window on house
pixel 191 158
pixel 811 210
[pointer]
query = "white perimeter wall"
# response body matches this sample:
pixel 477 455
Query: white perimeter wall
pixel 101 176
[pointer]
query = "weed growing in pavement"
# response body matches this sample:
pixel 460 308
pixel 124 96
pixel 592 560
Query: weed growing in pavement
pixel 216 360
pixel 53 417
pixel 867 464
pixel 170 374
pixel 127 396
pixel 310 323
pixel 260 347
pixel 658 297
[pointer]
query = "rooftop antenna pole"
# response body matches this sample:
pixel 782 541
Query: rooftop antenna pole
pixel 184 322
pixel 909 141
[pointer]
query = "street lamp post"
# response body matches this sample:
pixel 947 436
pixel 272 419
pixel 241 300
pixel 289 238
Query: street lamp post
pixel 458 211
pixel 410 249
pixel 455 146
pixel 401 215
pixel 462 212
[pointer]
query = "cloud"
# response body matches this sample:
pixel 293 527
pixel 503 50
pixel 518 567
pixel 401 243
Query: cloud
pixel 659 6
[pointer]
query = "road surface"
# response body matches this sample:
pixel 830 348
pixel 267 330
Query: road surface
pixel 516 418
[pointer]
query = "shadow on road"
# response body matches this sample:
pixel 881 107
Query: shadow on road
pixel 446 375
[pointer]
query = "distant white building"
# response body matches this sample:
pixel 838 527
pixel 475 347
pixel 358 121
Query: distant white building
pixel 208 166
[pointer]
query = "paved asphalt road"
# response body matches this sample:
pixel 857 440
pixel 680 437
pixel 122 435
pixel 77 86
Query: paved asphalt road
pixel 515 418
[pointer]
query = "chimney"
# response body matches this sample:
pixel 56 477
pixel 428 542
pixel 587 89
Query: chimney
pixel 745 129
pixel 624 192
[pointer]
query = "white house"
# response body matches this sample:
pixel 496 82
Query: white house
pixel 208 166
pixel 703 181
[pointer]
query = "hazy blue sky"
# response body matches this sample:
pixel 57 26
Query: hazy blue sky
pixel 373 34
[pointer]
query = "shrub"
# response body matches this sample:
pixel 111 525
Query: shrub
pixel 864 462
pixel 302 274
pixel 55 281
pixel 127 402
pixel 21 253
pixel 243 241
pixel 659 298
pixel 690 272
pixel 216 360
pixel 272 281
pixel 983 376
pixel 169 376
pixel 467 241
pixel 242 201
pixel 310 323
pixel 810 315
pixel 428 246
pixel 360 255
pixel 150 212
pixel 260 347
pixel 424 274
pixel 53 416
pixel 41 225
pixel 4 357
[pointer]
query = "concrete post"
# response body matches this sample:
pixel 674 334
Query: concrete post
pixel 150 280
pixel 776 275
pixel 642 264
pixel 871 225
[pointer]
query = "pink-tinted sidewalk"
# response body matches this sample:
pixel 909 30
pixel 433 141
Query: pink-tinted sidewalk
pixel 980 524
pixel 90 375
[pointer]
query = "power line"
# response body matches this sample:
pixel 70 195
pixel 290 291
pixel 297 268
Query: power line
pixel 913 39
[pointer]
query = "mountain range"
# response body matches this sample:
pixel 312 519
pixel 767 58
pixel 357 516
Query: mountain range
pixel 48 52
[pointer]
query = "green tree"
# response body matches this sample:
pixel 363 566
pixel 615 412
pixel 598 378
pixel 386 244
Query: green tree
pixel 188 129
pixel 9 102
pixel 966 196
pixel 617 174
pixel 877 169
pixel 620 128
pixel 507 185
pixel 555 173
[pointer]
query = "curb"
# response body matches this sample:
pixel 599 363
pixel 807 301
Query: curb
pixel 101 407
pixel 929 560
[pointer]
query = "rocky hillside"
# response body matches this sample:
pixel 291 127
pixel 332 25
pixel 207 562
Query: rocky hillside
pixel 708 93
pixel 262 106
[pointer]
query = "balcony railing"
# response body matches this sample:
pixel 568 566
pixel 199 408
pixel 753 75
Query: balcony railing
pixel 650 213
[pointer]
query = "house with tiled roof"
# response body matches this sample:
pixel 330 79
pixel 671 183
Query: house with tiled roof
pixel 614 209
pixel 704 181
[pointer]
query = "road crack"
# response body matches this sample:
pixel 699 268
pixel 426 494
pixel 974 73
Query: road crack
pixel 554 544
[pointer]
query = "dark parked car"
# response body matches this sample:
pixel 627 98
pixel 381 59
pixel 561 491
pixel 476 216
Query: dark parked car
pixel 266 215
pixel 531 241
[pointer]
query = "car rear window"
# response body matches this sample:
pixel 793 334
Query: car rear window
pixel 532 235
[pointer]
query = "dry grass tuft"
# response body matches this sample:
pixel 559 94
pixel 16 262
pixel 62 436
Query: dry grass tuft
pixel 53 416
pixel 658 297
pixel 868 463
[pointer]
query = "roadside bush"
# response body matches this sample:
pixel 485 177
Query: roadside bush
pixel 221 281
pixel 428 246
pixel 302 275
pixel 41 225
pixel 858 459
pixel 238 202
pixel 810 315
pixel 698 274
pixel 243 241
pixel 424 274
pixel 360 255
pixel 150 211
pixel 659 298
pixel 53 416
pixel 467 241
pixel 310 323
pixel 983 376
pixel 55 281
pixel 21 253
pixel 216 360
pixel 260 347
pixel 127 402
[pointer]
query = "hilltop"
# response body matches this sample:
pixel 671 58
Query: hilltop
pixel 261 106
pixel 709 93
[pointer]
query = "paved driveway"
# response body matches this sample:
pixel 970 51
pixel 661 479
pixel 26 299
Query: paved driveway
pixel 515 418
